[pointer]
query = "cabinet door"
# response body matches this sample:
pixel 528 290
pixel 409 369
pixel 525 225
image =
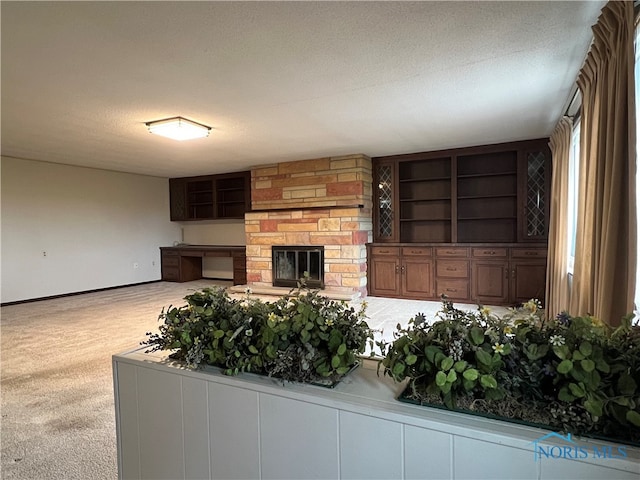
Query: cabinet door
pixel 385 202
pixel 385 273
pixel 535 182
pixel 528 280
pixel 417 277
pixel 490 282
pixel 177 199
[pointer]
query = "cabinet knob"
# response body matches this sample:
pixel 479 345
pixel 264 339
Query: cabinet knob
pixel 397 269
pixel 383 251
pixel 489 252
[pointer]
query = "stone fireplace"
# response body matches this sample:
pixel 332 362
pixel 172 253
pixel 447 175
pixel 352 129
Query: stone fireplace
pixel 320 202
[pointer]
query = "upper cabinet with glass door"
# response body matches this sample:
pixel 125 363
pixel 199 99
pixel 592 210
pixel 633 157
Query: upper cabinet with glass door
pixel 535 185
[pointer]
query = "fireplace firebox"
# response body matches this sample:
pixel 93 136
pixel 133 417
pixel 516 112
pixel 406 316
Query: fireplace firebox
pixel 290 263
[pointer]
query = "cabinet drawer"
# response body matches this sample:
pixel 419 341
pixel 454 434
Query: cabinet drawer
pixel 453 288
pixel 170 261
pixel 217 253
pixel 452 268
pixel 528 253
pixel 489 252
pixel 167 253
pixel 416 251
pixel 452 252
pixel 385 251
pixel 192 253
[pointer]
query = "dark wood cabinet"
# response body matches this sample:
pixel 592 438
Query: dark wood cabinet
pixel 473 208
pixel 210 197
pixel 489 274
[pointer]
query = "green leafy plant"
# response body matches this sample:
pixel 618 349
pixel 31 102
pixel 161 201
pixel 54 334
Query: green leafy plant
pixel 570 373
pixel 302 337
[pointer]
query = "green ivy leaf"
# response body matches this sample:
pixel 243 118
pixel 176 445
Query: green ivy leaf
pixel 441 378
pixel 446 364
pixel 335 363
pixel 459 366
pixel 577 390
pixel 452 376
pixel 483 357
pixel 633 417
pixel 341 349
pixel 218 334
pixel 410 359
pixel 626 384
pixel 565 367
pixel 430 352
pixel 594 407
pixel 471 374
pixel 586 348
pixel 603 366
pixel 253 349
pixel 588 365
pixel 476 335
pixel 561 351
pixel 565 396
pixel 487 381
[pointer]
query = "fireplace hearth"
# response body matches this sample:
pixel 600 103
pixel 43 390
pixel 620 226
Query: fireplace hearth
pixel 291 263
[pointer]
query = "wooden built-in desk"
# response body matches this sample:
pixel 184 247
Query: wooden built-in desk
pixel 184 263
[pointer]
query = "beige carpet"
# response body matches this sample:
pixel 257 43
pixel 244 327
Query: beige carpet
pixel 58 418
pixel 57 393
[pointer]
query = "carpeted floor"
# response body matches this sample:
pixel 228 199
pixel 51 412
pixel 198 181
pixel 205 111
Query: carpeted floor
pixel 58 419
pixel 57 392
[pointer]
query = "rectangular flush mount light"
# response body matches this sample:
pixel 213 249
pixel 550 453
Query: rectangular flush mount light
pixel 178 128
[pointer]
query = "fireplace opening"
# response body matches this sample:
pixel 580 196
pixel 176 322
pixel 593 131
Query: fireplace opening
pixel 291 262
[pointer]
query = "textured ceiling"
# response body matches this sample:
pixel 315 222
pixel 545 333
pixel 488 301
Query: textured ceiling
pixel 281 81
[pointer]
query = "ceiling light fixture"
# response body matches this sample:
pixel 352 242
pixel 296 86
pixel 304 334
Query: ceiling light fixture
pixel 178 128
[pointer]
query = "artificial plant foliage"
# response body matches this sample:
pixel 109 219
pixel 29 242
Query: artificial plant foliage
pixel 575 374
pixel 302 336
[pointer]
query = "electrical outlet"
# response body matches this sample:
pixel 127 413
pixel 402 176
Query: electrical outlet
pixel 44 254
pixel 135 265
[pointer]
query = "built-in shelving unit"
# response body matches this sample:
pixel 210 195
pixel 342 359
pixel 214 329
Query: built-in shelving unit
pixel 210 197
pixel 484 196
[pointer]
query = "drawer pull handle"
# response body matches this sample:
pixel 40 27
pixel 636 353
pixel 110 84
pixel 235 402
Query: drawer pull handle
pixel 531 254
pixel 489 252
pixel 451 289
pixel 417 252
pixel 452 269
pixel 450 252
pixel 383 251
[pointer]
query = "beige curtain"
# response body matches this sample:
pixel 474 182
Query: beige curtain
pixel 604 273
pixel 557 294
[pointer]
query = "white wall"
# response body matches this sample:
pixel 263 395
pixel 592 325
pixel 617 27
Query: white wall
pixel 215 232
pixel 92 224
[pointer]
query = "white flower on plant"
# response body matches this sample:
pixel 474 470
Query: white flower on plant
pixel 556 340
pixel 248 291
pixel 329 322
pixel 248 332
pixel 485 311
pixel 498 347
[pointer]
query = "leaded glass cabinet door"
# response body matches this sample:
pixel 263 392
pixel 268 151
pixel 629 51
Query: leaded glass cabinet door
pixel 385 202
pixel 536 168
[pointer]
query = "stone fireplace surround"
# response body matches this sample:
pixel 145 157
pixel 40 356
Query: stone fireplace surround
pixel 323 201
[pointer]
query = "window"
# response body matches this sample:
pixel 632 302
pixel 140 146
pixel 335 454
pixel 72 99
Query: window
pixel 572 204
pixel 637 76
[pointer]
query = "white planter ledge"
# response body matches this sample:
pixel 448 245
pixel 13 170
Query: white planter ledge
pixel 177 423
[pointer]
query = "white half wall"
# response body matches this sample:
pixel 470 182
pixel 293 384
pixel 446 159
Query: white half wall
pixel 68 229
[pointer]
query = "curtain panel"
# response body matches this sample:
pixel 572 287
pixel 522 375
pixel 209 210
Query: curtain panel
pixel 557 289
pixel 604 271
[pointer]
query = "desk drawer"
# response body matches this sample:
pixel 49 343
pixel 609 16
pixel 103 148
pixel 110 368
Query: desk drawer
pixel 217 253
pixel 452 268
pixel 166 253
pixel 489 252
pixel 452 252
pixel 385 251
pixel 456 289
